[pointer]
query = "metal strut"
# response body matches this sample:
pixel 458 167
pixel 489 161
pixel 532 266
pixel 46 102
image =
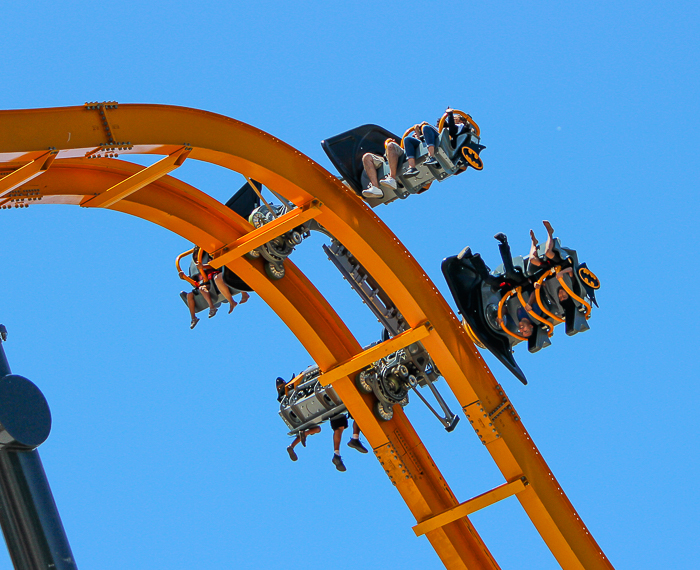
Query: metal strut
pixel 389 316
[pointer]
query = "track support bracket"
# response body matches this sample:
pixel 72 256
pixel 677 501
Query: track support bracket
pixel 266 233
pixel 471 506
pixel 27 172
pixel 367 357
pixel 139 180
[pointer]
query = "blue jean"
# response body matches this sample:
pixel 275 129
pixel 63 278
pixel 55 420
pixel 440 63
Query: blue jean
pixel 411 144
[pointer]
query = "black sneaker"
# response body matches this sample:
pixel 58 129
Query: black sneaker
pixel 501 237
pixel 431 161
pixel 338 462
pixel 411 172
pixel 357 444
pixel 292 453
pixel 302 438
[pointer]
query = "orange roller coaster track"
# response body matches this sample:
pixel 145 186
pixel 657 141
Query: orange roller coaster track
pixel 69 155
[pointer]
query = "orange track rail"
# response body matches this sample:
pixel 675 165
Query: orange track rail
pixel 30 139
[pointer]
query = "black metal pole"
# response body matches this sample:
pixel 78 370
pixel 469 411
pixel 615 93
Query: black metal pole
pixel 29 518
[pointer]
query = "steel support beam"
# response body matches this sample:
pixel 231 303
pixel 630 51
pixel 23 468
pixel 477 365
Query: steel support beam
pixel 139 180
pixel 367 357
pixel 266 233
pixel 468 507
pixel 27 172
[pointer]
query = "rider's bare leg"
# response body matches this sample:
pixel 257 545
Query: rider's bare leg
pixel 368 164
pixel 532 257
pixel 549 244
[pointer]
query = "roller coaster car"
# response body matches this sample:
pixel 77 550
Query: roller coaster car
pixel 235 284
pixel 274 252
pixel 346 150
pixel 491 314
pixel 243 202
pixel 306 403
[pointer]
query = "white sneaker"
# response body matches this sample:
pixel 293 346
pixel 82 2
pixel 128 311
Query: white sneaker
pixel 372 192
pixel 388 181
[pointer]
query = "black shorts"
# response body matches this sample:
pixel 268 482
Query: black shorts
pixel 340 421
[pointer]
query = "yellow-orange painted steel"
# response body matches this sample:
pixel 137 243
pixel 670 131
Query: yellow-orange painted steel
pixel 137 181
pixel 26 173
pixel 264 234
pixel 471 506
pixel 373 354
pixel 198 218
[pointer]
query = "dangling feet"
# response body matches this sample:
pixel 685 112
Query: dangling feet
pixel 244 297
pixel 212 311
pixel 338 462
pixel 232 307
pixel 372 192
pixel 548 227
pixel 533 238
pixel 292 453
pixel 193 322
pixel 357 444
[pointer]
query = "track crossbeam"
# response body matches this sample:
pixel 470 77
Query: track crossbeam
pixel 367 357
pixel 471 506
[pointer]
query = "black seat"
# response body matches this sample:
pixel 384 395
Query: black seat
pixel 346 150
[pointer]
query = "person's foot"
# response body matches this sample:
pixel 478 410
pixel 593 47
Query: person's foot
pixel 388 181
pixel 212 312
pixel 533 238
pixel 501 237
pixel 412 171
pixel 372 192
pixel 338 462
pixel 193 322
pixel 431 161
pixel 357 444
pixel 232 307
pixel 302 438
pixel 548 227
pixel 465 253
pixel 292 453
pixel 244 297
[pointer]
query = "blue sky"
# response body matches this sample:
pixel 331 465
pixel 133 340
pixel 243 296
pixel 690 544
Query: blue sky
pixel 589 115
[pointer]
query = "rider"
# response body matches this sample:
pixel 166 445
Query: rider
pixel 338 423
pixel 206 274
pixel 371 162
pixel 428 133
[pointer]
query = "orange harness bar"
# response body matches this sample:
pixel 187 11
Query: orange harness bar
pixel 181 273
pixel 550 328
pixel 471 506
pixel 575 297
pixel 540 282
pixel 266 233
pixel 367 357
pixel 502 303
